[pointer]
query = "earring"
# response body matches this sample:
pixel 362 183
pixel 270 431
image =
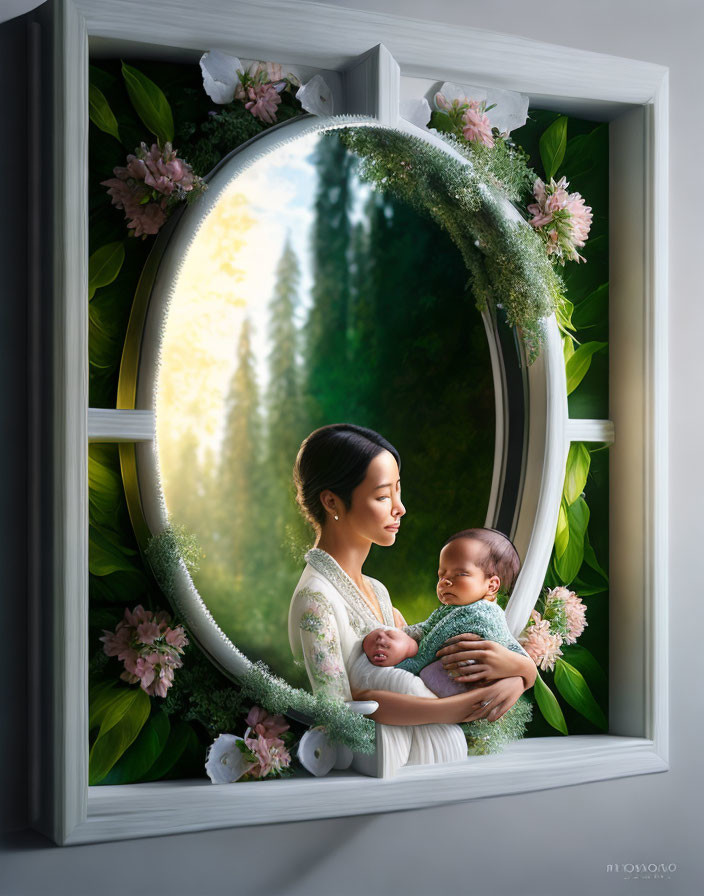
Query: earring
pixel 337 517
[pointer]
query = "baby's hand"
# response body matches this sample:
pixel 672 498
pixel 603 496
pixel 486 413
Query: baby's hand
pixel 388 646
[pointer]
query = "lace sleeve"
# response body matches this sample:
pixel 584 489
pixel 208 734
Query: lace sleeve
pixel 320 641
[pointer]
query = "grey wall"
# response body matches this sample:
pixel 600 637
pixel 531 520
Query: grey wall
pixel 550 842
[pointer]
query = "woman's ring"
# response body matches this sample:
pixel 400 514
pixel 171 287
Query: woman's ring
pixel 466 663
pixel 486 703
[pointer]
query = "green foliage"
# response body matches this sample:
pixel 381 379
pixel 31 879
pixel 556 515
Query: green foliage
pixel 167 549
pixel 578 364
pixel 119 713
pixel 206 141
pixel 585 164
pixel 591 560
pixel 104 265
pixel 484 737
pixel 583 660
pixel 100 112
pixel 106 554
pixel 277 696
pixel 553 144
pixel 578 461
pixel 569 556
pixel 149 103
pixel 549 707
pixel 140 756
pixel 594 309
pixel 571 684
pixel 508 264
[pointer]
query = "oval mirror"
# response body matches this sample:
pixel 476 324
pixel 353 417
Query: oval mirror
pixel 294 294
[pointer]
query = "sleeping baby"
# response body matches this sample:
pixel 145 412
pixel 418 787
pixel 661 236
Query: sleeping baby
pixel 474 565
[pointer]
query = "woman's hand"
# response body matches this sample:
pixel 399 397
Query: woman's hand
pixel 492 701
pixel 468 659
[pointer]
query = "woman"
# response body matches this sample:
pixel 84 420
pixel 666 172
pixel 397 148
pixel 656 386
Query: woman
pixel 348 487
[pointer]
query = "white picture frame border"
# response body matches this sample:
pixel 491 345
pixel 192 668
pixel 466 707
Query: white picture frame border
pixel 634 96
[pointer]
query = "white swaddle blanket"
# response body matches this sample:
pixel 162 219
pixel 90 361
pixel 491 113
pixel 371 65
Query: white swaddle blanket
pixel 411 744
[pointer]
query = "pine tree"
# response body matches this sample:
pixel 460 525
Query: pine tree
pixel 283 393
pixel 287 422
pixel 241 474
pixel 327 350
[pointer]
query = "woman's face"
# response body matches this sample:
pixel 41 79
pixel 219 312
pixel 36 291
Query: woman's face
pixel 376 509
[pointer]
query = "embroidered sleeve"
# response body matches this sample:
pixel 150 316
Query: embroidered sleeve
pixel 320 640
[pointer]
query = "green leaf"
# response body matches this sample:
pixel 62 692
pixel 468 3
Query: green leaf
pixel 577 470
pixel 567 348
pixel 563 314
pixel 104 490
pixel 103 348
pixel 562 535
pixel 587 589
pixel 568 563
pixel 101 699
pixel 578 365
pixel 552 145
pixel 583 660
pixel 122 722
pixel 441 122
pixel 104 555
pixel 141 755
pixel 150 103
pixel 104 265
pixel 548 705
pixel 593 310
pixel 571 684
pixel 182 738
pixel 119 588
pixel 590 559
pixel 100 112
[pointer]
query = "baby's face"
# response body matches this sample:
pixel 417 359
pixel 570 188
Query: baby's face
pixel 385 647
pixel 460 580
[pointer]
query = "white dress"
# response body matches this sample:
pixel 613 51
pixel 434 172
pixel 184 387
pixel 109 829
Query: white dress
pixel 328 619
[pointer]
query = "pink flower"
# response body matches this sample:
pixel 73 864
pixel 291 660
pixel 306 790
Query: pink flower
pixel 263 100
pixel 541 645
pixel 149 649
pixel 477 128
pixel 148 632
pixel 264 724
pixel 270 752
pixel 149 185
pixel 561 217
pixel 576 614
pixel 175 637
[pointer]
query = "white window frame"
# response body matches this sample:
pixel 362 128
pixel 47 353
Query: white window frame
pixel 633 96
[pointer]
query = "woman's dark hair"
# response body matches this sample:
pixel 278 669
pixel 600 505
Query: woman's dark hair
pixel 334 457
pixel 500 557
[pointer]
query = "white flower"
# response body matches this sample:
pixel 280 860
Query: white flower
pixel 315 752
pixel 509 113
pixel 224 762
pixel 417 112
pixel 315 96
pixel 220 75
